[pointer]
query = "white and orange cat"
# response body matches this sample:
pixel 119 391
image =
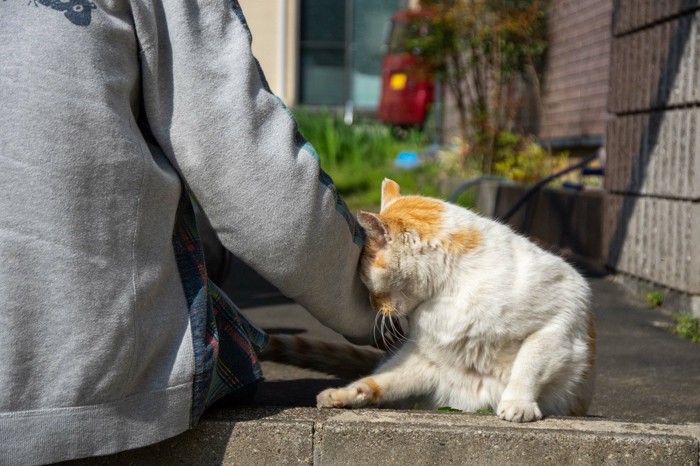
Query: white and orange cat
pixel 495 321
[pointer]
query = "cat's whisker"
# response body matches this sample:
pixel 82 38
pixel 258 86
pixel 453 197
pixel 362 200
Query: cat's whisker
pixel 387 341
pixel 397 332
pixel 377 327
pixel 396 336
pixel 384 329
pixel 392 327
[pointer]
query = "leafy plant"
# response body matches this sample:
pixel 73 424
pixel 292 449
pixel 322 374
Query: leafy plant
pixel 484 51
pixel 448 409
pixel 365 143
pixel 655 298
pixel 686 326
pixel 360 156
pixel 521 159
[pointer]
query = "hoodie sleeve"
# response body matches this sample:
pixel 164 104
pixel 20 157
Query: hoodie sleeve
pixel 238 149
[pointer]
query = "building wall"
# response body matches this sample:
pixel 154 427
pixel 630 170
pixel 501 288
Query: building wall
pixel 286 52
pixel 275 46
pixel 652 214
pixel 575 84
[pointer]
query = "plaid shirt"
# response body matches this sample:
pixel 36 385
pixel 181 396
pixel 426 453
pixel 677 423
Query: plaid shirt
pixel 224 340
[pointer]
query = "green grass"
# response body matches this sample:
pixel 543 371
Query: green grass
pixel 448 409
pixel 686 326
pixel 358 157
pixel 364 143
pixel 361 188
pixel 655 298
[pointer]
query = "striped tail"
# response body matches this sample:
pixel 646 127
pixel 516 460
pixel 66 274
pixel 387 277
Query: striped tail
pixel 339 359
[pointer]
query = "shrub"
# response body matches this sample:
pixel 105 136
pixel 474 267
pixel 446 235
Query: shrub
pixel 359 156
pixel 521 159
pixel 687 326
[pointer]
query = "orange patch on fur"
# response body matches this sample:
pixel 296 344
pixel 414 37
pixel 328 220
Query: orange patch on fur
pixel 371 252
pixel 379 261
pixel 415 213
pixel 382 303
pixel 463 241
pixel 374 387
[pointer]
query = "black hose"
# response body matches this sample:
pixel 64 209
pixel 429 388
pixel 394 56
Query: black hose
pixel 537 186
pixel 469 183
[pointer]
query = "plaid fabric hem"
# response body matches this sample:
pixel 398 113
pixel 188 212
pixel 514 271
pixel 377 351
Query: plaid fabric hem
pixel 236 339
pixel 223 339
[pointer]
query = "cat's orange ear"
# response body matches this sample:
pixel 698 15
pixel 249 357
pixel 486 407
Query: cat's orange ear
pixel 374 227
pixel 390 191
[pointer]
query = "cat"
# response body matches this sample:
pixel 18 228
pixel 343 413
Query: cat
pixel 495 322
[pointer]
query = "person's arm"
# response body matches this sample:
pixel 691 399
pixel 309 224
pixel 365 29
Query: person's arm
pixel 237 148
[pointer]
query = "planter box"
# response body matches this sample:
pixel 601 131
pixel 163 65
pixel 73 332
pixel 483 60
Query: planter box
pixel 567 221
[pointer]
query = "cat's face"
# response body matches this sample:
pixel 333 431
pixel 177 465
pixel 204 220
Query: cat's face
pixel 407 247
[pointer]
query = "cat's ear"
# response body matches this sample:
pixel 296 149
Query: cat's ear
pixel 374 227
pixel 390 191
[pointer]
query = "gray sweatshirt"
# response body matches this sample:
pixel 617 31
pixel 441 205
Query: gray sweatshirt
pixel 107 107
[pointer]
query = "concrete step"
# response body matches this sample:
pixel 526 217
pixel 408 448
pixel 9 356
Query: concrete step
pixel 644 375
pixel 284 436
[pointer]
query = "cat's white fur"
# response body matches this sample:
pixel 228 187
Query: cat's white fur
pixel 498 323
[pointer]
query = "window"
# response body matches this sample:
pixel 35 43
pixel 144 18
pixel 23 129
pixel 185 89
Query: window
pixel 322 52
pixel 340 51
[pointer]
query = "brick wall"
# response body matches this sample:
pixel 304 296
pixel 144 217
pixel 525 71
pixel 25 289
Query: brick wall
pixel 575 85
pixel 652 213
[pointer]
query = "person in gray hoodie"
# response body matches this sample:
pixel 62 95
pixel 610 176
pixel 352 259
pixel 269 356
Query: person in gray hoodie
pixel 117 116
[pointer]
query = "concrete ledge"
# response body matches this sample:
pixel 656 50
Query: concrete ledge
pixel 268 436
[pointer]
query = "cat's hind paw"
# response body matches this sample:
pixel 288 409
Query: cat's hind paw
pixel 353 396
pixel 519 411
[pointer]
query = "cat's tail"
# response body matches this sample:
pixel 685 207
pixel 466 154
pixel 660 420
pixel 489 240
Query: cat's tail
pixel 339 359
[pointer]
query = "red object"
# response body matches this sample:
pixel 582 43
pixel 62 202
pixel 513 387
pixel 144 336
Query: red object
pixel 407 86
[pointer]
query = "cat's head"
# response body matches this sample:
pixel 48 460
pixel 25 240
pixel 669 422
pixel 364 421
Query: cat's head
pixel 407 247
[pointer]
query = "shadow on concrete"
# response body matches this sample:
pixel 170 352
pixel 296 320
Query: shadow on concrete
pixel 210 442
pixel 207 445
pixel 293 393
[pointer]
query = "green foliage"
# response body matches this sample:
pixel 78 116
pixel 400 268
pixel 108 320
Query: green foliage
pixel 360 188
pixel 361 144
pixel 484 50
pixel 358 157
pixel 448 409
pixel 655 298
pixel 521 159
pixel 686 326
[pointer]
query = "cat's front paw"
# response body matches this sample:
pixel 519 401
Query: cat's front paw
pixel 352 396
pixel 519 411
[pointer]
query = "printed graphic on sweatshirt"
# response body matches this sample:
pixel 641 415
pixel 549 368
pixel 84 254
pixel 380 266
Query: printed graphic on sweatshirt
pixel 78 12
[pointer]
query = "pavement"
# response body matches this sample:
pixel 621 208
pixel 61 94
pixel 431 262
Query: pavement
pixel 646 409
